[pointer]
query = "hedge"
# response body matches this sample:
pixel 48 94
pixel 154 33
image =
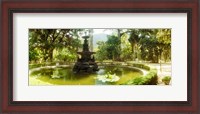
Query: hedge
pixel 150 79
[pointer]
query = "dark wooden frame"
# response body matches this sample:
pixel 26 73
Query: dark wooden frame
pixel 190 7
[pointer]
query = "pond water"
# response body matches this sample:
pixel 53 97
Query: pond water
pixel 65 76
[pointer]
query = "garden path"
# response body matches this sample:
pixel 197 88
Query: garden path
pixel 164 70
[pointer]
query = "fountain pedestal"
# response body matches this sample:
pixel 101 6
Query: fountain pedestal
pixel 87 62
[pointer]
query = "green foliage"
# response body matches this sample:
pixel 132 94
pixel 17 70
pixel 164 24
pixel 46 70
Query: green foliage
pixel 109 49
pixel 150 79
pixel 133 39
pixel 164 36
pixel 33 55
pixel 147 44
pixel 113 47
pixel 136 81
pixel 149 49
pixel 42 42
pixel 164 39
pixel 101 54
pixel 151 44
pixel 124 45
pixel 126 48
pixel 166 80
pixel 64 54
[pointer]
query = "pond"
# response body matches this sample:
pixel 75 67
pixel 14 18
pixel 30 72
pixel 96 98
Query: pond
pixel 65 76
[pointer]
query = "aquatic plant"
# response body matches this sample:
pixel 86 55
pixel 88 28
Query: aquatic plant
pixel 108 77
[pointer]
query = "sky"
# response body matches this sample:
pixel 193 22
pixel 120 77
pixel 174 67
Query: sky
pixel 100 31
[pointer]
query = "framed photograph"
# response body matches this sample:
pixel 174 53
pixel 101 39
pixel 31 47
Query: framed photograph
pixel 100 56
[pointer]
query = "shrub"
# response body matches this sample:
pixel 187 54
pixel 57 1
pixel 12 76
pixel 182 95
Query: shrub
pixel 166 80
pixel 150 79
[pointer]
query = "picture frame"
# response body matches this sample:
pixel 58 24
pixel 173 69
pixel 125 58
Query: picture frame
pixel 88 6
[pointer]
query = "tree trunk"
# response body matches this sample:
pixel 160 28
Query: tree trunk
pixel 51 54
pixel 120 45
pixel 160 60
pixel 45 57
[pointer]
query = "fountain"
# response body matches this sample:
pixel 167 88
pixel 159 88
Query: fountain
pixel 87 61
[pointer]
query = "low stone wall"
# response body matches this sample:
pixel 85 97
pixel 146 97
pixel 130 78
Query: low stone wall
pixel 47 67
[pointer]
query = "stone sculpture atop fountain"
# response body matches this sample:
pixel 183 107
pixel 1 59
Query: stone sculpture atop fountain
pixel 87 61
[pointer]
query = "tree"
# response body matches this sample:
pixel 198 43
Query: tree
pixel 46 40
pixel 164 39
pixel 147 44
pixel 149 49
pixel 33 55
pixel 134 40
pixel 118 33
pixel 110 49
pixel 113 47
pixel 101 53
pixel 126 48
pixel 64 54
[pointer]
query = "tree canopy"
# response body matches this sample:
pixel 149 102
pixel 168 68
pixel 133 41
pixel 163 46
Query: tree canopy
pixel 151 45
